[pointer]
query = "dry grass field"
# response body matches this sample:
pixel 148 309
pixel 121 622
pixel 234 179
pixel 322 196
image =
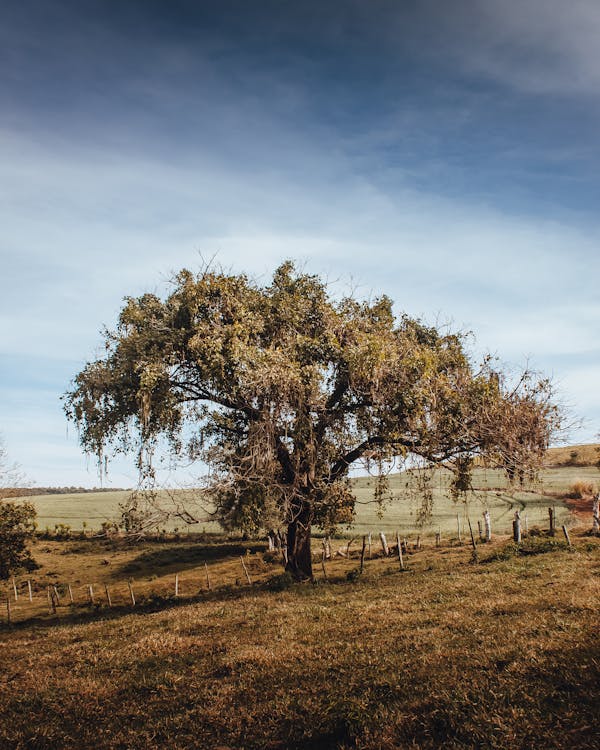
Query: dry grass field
pixel 449 653
pixel 490 491
pixel 497 651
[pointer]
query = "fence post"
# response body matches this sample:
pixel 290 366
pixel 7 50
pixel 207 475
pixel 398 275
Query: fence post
pixel 517 528
pixel 566 533
pixel 131 593
pixel 369 545
pixel 8 609
pixel 552 520
pixel 207 578
pixel 15 588
pixel 29 589
pixel 438 538
pixel 107 592
pixel 399 551
pixel 70 593
pixel 245 570
pixel 323 556
pixel 488 526
pixel 472 539
pixel 362 554
pixel 176 584
pixel 384 544
pixel 91 593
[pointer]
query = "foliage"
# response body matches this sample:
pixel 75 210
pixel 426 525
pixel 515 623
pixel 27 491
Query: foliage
pixel 17 527
pixel 17 521
pixel 282 388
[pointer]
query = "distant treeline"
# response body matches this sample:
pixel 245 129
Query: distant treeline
pixel 26 491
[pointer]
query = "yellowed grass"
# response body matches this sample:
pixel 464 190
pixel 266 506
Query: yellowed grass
pixel 500 654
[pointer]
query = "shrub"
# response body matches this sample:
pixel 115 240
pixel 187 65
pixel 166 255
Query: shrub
pixel 581 489
pixel 17 527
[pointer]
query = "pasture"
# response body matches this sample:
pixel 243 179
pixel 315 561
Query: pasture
pixel 400 513
pixel 447 653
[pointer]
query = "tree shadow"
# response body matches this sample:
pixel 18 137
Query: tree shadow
pixel 177 558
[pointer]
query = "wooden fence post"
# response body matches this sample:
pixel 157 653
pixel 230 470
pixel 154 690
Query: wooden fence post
pixel 176 584
pixel 596 514
pixel 472 539
pixel 131 593
pixel 323 556
pixel 91 593
pixel 362 554
pixel 207 578
pixel 488 526
pixel 384 544
pixel 107 592
pixel 438 538
pixel 517 528
pixel 29 589
pixel 552 520
pixel 480 530
pixel 369 545
pixel 14 583
pixel 8 609
pixel 399 551
pixel 245 570
pixel 566 533
pixel 70 593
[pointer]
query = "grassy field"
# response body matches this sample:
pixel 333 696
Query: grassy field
pixel 448 653
pixel 491 492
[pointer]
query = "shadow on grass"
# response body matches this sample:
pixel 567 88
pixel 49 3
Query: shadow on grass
pixel 81 614
pixel 183 557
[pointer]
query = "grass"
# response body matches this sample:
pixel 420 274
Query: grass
pixel 574 455
pixel 446 654
pixel 491 491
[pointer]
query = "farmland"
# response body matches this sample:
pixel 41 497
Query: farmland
pixel 448 653
pixel 400 513
pixel 200 641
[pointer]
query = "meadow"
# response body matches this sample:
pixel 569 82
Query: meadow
pixel 451 652
pixel 202 641
pixel 90 510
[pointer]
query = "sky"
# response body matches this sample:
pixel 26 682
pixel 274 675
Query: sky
pixel 443 153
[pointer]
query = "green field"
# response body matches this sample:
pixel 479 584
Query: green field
pixel 490 491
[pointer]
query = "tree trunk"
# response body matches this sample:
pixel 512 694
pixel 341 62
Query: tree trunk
pixel 299 562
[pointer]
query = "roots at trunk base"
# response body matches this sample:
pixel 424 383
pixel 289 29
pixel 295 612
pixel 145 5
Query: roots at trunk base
pixel 299 562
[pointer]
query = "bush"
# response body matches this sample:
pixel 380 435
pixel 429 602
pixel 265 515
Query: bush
pixel 17 527
pixel 581 489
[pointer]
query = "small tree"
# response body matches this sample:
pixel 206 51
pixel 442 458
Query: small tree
pixel 17 521
pixel 281 389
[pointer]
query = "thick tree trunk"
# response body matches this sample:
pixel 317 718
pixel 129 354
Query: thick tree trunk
pixel 299 562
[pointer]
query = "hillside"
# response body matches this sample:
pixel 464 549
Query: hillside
pixel 448 653
pixel 399 513
pixel 574 455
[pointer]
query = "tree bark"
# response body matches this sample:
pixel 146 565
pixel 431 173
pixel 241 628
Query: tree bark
pixel 299 562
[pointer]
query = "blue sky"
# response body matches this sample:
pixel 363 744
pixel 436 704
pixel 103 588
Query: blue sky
pixel 443 153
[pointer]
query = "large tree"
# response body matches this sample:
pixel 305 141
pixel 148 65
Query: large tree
pixel 281 388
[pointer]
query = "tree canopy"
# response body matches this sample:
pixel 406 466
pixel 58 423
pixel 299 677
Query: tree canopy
pixel 280 388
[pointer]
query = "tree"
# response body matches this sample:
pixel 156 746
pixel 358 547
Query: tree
pixel 281 388
pixel 17 521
